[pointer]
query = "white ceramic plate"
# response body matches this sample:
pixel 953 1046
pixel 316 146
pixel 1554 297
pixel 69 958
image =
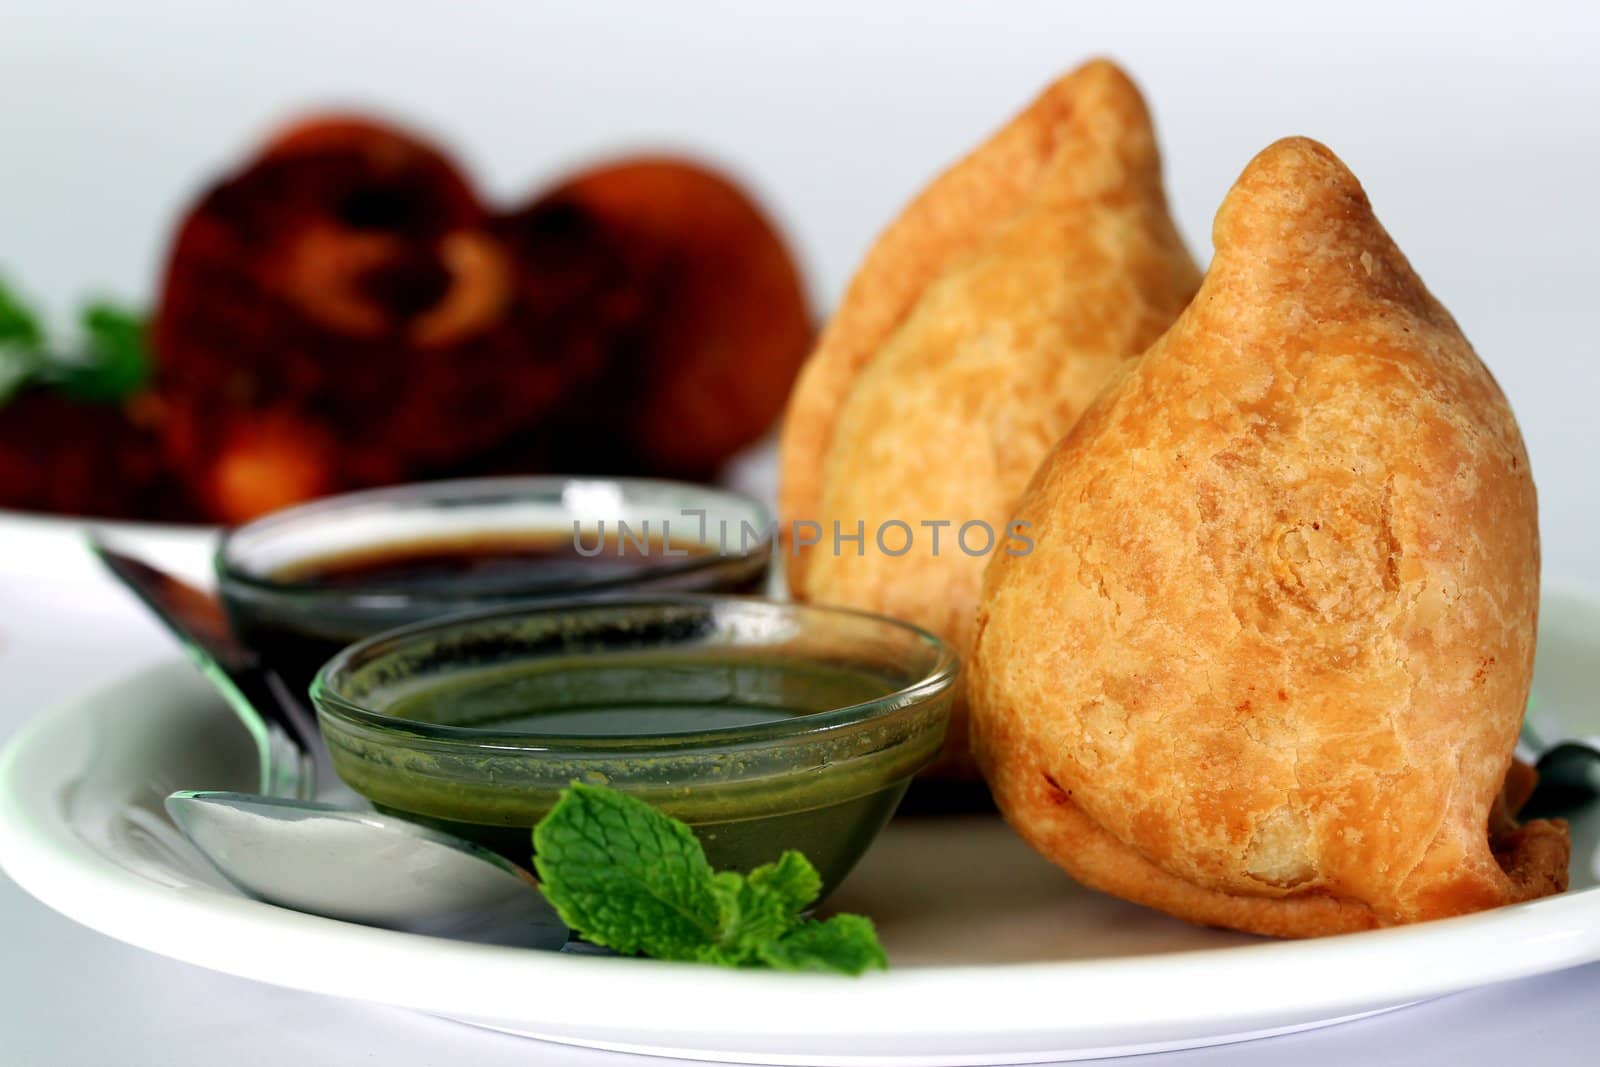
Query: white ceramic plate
pixel 50 548
pixel 997 957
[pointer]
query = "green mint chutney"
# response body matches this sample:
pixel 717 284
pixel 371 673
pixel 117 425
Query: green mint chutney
pixel 774 739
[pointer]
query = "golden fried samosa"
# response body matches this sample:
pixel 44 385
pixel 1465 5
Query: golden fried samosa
pixel 980 325
pixel 1267 662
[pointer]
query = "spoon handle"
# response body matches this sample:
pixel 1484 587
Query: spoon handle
pixel 284 734
pixel 287 768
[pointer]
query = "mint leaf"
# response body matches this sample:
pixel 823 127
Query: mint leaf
pixel 792 878
pixel 847 944
pixel 21 343
pixel 628 877
pixel 751 916
pixel 625 875
pixel 19 326
pixel 115 362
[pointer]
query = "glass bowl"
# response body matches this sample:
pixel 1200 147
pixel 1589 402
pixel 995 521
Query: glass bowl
pixel 763 725
pixel 267 569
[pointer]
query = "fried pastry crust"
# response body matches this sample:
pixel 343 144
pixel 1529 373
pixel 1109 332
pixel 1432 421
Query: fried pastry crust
pixel 1268 661
pixel 980 325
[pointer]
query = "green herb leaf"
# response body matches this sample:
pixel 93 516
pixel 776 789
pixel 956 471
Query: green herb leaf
pixel 750 917
pixel 847 944
pixel 792 878
pixel 626 876
pixel 21 343
pixel 19 326
pixel 115 362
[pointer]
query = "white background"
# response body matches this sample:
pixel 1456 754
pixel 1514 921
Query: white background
pixel 1476 131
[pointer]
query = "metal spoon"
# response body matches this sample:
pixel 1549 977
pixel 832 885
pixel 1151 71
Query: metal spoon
pixel 367 868
pixel 282 728
pixel 282 848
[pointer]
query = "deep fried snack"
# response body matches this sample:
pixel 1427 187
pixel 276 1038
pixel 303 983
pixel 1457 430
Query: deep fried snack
pixel 1267 663
pixel 59 454
pixel 983 321
pixel 724 321
pixel 339 314
pixel 343 312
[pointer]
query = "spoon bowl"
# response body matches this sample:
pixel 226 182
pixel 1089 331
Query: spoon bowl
pixel 366 868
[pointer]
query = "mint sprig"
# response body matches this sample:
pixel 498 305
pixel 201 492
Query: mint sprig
pixel 626 876
pixel 21 343
pixel 111 361
pixel 18 324
pixel 114 361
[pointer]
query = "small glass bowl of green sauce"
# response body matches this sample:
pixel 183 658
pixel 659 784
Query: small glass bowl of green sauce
pixel 303 583
pixel 763 725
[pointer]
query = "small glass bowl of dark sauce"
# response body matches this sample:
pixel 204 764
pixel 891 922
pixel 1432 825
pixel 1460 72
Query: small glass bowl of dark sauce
pixel 763 725
pixel 305 582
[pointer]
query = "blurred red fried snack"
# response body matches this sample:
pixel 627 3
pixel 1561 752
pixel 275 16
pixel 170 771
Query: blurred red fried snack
pixel 63 455
pixel 344 283
pixel 343 311
pixel 727 325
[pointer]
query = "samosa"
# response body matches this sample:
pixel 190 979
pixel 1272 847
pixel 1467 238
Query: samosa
pixel 1267 663
pixel 982 322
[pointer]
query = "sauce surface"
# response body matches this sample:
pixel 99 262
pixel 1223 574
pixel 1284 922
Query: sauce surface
pixel 464 564
pixel 380 586
pixel 638 695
